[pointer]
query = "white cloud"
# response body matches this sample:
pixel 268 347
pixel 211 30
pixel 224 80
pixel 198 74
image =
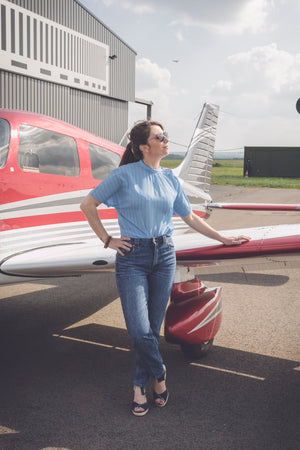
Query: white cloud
pixel 219 16
pixel 151 76
pixel 230 17
pixel 261 76
pixel 179 36
pixel 254 16
pixel 267 68
pixel 261 93
pixel 154 82
pixel 135 6
pixel 221 86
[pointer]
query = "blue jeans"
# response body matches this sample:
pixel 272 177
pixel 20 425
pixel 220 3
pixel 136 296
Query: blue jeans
pixel 145 275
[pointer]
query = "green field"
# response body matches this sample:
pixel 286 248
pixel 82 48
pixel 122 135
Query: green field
pixel 170 163
pixel 230 172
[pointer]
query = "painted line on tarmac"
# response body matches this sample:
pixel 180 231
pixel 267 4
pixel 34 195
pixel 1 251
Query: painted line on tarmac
pixel 5 430
pixel 228 371
pixel 92 342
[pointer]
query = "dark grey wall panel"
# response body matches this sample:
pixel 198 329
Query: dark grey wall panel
pixel 277 162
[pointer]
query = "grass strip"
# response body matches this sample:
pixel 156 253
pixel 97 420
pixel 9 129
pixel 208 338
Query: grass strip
pixel 231 172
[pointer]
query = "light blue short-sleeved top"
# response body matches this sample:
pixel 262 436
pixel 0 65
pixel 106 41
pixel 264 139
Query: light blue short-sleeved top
pixel 144 198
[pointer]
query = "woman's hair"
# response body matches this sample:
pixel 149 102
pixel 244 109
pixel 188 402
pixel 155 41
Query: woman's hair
pixel 138 136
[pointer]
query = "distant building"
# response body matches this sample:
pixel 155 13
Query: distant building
pixel 58 59
pixel 272 162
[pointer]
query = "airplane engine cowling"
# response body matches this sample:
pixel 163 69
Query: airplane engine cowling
pixel 194 314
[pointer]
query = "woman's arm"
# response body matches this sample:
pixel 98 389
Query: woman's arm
pixel 202 227
pixel 89 208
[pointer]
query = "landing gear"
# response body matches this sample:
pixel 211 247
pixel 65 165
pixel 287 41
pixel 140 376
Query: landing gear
pixel 196 351
pixel 194 314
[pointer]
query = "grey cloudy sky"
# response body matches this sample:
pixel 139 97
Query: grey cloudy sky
pixel 240 54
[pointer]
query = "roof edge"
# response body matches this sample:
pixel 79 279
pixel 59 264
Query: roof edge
pixel 103 24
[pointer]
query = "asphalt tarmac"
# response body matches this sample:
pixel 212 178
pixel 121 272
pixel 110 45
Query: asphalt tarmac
pixel 66 361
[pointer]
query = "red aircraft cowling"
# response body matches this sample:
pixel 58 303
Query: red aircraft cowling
pixel 194 314
pixel 186 290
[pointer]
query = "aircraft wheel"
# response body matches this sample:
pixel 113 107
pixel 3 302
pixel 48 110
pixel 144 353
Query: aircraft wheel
pixel 196 351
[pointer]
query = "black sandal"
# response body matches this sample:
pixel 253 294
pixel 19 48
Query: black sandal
pixel 164 396
pixel 143 406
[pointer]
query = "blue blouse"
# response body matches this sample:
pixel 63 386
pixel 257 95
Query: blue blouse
pixel 144 198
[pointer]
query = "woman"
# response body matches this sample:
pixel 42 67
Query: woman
pixel 145 197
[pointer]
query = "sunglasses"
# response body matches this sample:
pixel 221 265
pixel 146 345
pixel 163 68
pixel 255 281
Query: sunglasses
pixel 162 136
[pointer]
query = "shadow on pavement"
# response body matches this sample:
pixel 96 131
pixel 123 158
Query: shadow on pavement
pixel 72 391
pixel 63 302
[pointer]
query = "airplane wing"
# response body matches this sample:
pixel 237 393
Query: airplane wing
pixel 276 246
pixel 89 256
pixel 256 206
pixel 46 236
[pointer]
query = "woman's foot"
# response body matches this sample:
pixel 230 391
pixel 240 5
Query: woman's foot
pixel 160 392
pixel 161 399
pixel 140 405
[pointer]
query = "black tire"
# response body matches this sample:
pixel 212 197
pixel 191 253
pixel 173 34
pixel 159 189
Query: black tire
pixel 196 351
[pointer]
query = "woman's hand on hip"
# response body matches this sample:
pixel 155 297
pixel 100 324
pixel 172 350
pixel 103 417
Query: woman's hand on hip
pixel 120 244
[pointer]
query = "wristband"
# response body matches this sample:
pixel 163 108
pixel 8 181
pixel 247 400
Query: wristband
pixel 107 241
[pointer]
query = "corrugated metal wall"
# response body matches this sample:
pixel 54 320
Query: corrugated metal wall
pixel 72 14
pixel 105 116
pixel 97 114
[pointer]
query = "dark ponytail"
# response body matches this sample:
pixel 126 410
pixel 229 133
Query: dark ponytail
pixel 138 136
pixel 131 156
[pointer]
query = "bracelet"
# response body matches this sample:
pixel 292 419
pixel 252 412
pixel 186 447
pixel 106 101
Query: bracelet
pixel 107 241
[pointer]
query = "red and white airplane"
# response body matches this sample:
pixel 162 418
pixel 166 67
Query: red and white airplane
pixel 47 167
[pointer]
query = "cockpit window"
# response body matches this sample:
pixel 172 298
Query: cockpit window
pixel 45 151
pixel 4 141
pixel 102 161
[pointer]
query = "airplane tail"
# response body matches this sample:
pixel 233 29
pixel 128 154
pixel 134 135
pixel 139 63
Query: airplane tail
pixel 195 169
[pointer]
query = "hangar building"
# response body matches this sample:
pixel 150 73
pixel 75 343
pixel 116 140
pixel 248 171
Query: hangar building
pixel 58 59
